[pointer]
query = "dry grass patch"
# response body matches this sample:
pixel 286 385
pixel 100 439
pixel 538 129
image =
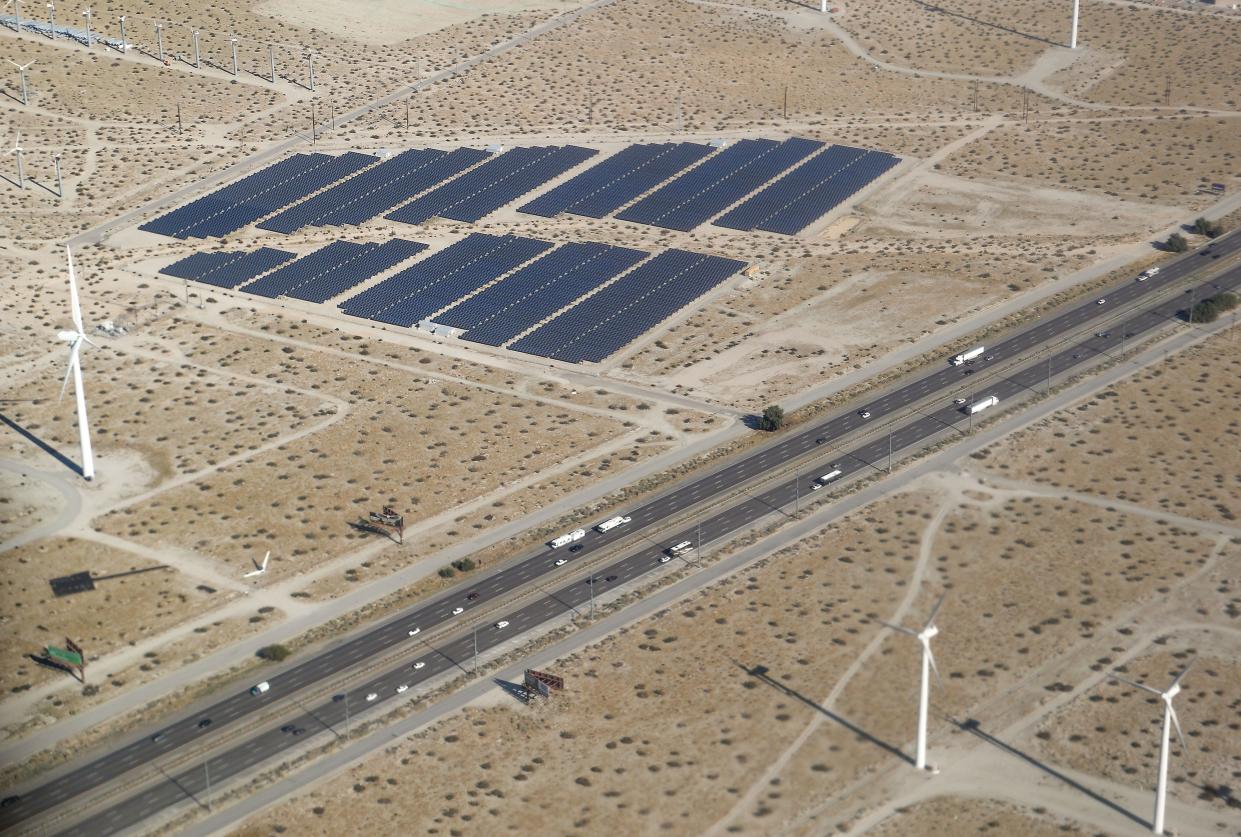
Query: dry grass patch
pixel 119 611
pixel 1167 438
pixel 964 815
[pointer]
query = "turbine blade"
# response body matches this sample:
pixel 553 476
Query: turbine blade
pixel 938 604
pixel 1184 671
pixel 1176 724
pixel 1136 685
pixel 900 628
pixel 931 659
pixel 68 371
pixel 265 557
pixel 76 309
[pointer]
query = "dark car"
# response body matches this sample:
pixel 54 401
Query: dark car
pixel 287 728
pixel 472 596
pixel 158 738
pixel 577 547
pixel 204 723
pixel 969 372
pixel 10 801
pixel 610 578
pixel 337 698
pixel 298 730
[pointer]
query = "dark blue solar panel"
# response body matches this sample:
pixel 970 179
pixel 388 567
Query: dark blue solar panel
pixel 829 194
pixel 344 194
pixel 791 188
pixel 417 181
pixel 176 222
pixel 721 181
pixel 307 268
pixel 533 294
pixel 437 200
pixel 510 188
pixel 641 180
pixel 372 302
pixel 639 300
pixel 196 264
pixel 270 200
pixel 599 176
pixel 364 266
pixel 233 273
pixel 452 286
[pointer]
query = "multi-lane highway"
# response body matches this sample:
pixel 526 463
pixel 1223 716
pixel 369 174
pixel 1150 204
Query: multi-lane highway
pixel 915 413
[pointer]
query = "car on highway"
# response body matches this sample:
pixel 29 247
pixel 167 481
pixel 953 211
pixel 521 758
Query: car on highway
pixel 989 357
pixel 664 559
pixel 577 547
pixel 204 723
pixel 298 730
pixel 288 728
pixel 414 631
pixel 10 801
pixel 337 698
pixel 457 611
pixel 1101 300
pixel 610 578
pixel 472 596
pixel 958 401
pixel 501 625
pixel 864 413
pixel 1148 273
pixel 560 562
pixel 418 665
pixel 372 696
pixel 402 689
pixel 1103 334
pixel 820 440
pixel 968 372
pixel 159 738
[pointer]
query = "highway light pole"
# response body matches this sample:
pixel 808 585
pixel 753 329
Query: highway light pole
pixel 592 596
pixel 889 451
pixel 207 771
pixel 475 649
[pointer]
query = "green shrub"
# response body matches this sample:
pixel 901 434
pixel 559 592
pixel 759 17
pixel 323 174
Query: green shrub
pixel 274 653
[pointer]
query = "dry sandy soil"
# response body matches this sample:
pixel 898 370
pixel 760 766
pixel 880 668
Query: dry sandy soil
pixel 668 726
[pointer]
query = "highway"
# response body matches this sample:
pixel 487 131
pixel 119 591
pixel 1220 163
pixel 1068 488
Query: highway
pixel 910 424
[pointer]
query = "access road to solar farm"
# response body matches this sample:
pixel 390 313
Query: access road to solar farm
pixel 178 763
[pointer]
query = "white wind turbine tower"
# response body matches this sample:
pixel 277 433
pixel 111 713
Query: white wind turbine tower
pixel 924 638
pixel 19 151
pixel 75 339
pixel 1169 721
pixel 1077 6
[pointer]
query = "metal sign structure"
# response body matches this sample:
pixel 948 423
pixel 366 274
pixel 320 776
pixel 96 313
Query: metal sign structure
pixel 389 518
pixel 68 585
pixel 542 682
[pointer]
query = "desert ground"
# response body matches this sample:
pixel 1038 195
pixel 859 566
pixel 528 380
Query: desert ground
pixel 775 701
pixel 227 425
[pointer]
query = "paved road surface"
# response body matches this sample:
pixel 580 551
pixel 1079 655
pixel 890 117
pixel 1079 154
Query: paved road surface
pixel 458 652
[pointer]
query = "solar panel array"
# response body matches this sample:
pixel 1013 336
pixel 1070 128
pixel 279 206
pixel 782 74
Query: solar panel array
pixel 367 264
pixel 605 322
pixel 376 190
pixel 440 280
pixel 810 191
pixel 227 269
pixel 223 215
pixel 709 189
pixel 528 296
pixel 614 182
pixel 493 184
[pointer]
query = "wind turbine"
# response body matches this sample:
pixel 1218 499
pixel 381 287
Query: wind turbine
pixel 261 569
pixel 1169 721
pixel 21 69
pixel 1077 7
pixel 924 638
pixel 75 339
pixel 19 151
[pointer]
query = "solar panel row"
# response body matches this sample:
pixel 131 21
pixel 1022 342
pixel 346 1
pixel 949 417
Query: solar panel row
pixel 530 295
pixel 790 188
pixel 196 264
pixel 611 198
pixel 417 181
pixel 245 268
pixel 252 184
pixel 294 189
pixel 603 323
pixel 366 265
pixel 308 267
pixel 552 203
pixel 491 185
pixel 832 192
pixel 708 189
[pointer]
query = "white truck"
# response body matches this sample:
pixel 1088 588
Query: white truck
pixel 683 548
pixel 966 357
pixel 261 688
pixel 979 406
pixel 565 540
pixel 825 479
pixel 612 522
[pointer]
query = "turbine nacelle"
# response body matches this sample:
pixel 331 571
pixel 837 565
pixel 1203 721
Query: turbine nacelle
pixel 67 336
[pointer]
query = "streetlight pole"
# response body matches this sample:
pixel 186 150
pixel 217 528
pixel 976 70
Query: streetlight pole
pixel 207 771
pixel 475 649
pixel 889 451
pixel 592 597
pixel 346 714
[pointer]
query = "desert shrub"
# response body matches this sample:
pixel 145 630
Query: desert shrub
pixel 1177 243
pixel 772 418
pixel 274 653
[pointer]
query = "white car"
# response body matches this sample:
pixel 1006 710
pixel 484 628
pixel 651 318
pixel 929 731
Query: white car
pixel 664 559
pixel 560 562
pixel 864 414
pixel 402 689
pixel 501 625
pixel 958 401
pixel 371 696
pixel 414 631
pixel 457 611
pixel 419 665
pixel 1101 301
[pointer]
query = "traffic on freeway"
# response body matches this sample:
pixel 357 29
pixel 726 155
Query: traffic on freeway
pixel 423 661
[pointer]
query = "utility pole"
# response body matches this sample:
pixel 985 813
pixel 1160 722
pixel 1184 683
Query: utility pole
pixel 1025 105
pixel 159 41
pixel 1167 92
pixel 197 55
pixel 975 97
pixel 60 189
pixel 233 40
pixel 51 20
pixel 271 57
pixel 86 14
pixel 186 283
pixel 310 59
pixel 180 127
pixel 407 113
pixel 786 103
pixel 313 130
pixel 333 116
